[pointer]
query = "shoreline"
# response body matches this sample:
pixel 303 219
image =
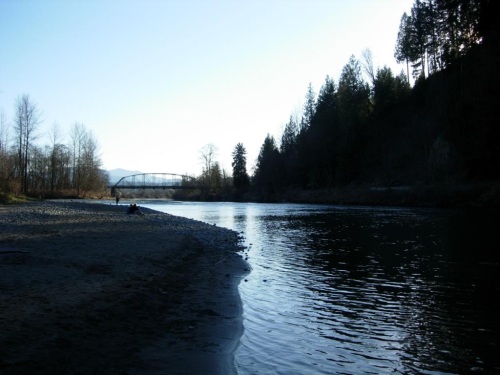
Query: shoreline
pixel 86 288
pixel 471 195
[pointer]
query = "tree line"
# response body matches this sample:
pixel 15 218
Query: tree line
pixel 372 128
pixel 324 148
pixel 51 170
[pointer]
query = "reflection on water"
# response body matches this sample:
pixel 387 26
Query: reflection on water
pixel 364 290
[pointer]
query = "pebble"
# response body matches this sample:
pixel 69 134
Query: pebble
pixel 33 213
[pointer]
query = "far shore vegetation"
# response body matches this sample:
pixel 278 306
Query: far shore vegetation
pixel 428 135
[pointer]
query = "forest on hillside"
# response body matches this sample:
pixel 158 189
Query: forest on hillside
pixel 381 131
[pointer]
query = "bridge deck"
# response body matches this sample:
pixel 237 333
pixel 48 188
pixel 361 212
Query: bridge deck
pixel 154 187
pixel 156 181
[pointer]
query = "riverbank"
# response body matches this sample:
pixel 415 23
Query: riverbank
pixel 86 288
pixel 437 196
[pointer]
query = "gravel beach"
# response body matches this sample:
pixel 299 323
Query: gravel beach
pixel 87 289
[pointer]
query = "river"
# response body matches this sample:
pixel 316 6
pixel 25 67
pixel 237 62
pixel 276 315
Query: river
pixel 363 290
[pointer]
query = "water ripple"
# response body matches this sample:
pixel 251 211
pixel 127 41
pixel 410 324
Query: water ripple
pixel 339 290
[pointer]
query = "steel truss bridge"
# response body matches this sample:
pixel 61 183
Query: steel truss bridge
pixel 156 181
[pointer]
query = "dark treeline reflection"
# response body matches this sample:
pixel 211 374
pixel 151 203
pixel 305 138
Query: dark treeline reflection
pixel 423 285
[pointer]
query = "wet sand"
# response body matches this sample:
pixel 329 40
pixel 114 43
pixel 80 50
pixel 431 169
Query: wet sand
pixel 87 289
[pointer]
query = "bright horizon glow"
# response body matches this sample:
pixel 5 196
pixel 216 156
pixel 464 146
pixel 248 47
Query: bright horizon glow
pixel 155 81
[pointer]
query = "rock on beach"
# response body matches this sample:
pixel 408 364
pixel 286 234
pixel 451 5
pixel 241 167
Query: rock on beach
pixel 86 288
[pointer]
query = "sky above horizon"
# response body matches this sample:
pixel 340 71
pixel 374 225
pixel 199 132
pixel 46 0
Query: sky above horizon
pixel 155 81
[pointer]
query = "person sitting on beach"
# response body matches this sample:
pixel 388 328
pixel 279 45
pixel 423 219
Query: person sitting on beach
pixel 133 209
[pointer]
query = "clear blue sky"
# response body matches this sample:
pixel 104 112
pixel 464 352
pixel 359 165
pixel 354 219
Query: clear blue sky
pixel 155 80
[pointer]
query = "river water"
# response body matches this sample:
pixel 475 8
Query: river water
pixel 348 290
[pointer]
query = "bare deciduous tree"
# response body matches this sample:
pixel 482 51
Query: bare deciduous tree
pixel 367 64
pixel 3 132
pixel 77 140
pixel 4 156
pixel 55 159
pixel 27 119
pixel 90 162
pixel 207 156
pixel 86 163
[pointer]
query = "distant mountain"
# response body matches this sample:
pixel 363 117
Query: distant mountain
pixel 116 174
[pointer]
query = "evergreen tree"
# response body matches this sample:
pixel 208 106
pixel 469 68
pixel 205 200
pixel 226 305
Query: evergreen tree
pixel 387 91
pixel 419 37
pixel 437 33
pixel 404 52
pixel 268 175
pixel 241 180
pixel 323 136
pixel 459 20
pixel 309 106
pixel 354 108
pixel 216 178
pixel 389 95
pixel 353 95
pixel 289 137
pixel 289 150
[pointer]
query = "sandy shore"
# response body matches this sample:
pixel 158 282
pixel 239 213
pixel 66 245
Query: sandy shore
pixel 87 289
